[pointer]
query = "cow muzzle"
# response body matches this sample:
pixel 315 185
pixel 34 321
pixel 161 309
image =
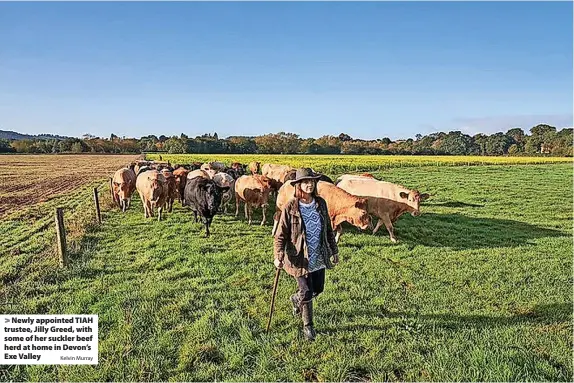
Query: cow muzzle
pixel 416 213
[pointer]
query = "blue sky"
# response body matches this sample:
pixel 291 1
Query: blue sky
pixel 368 69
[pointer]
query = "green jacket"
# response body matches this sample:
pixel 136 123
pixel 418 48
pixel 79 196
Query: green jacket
pixel 290 245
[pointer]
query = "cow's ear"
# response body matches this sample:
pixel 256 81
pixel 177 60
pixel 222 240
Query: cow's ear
pixel 404 195
pixel 424 196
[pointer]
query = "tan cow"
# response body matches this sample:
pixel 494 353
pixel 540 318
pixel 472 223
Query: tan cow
pixel 225 180
pixel 254 167
pixel 276 172
pixel 123 184
pixel 382 189
pixel 198 173
pixel 172 191
pixel 342 206
pixel 254 192
pixel 180 175
pixel 386 201
pixel 152 188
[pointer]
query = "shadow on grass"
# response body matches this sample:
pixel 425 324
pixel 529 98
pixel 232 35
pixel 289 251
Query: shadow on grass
pixel 547 314
pixel 454 204
pixel 461 232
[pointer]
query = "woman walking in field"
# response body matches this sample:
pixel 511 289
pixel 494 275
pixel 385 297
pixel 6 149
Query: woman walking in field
pixel 304 245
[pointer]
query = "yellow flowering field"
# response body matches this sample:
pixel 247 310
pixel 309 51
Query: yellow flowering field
pixel 341 163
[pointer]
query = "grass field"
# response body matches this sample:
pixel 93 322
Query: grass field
pixel 479 288
pixel 26 180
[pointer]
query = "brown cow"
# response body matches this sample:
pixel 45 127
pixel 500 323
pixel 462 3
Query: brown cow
pixel 386 201
pixel 225 180
pixel 254 167
pixel 152 188
pixel 172 191
pixel 254 192
pixel 239 168
pixel 123 184
pixel 342 206
pixel 180 175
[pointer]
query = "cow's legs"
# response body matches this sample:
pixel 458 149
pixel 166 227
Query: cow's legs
pixel 389 226
pixel 339 230
pixel 144 206
pixel 250 210
pixel 236 204
pixel 151 208
pixel 159 211
pixel 379 224
pixel 263 220
pixel 207 223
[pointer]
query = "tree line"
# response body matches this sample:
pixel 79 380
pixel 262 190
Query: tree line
pixel 542 140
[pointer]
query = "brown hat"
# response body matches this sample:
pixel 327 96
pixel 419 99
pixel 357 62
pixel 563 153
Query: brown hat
pixel 304 174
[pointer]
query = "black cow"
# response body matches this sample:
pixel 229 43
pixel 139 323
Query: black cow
pixel 203 196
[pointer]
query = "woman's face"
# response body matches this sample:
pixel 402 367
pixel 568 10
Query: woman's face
pixel 307 186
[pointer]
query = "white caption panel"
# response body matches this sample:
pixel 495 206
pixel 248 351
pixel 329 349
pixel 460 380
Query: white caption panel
pixel 48 339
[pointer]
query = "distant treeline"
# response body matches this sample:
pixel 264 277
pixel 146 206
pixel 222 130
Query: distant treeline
pixel 542 140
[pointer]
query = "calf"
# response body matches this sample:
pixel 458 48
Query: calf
pixel 172 191
pixel 254 192
pixel 225 180
pixel 180 175
pixel 123 184
pixel 386 201
pixel 203 196
pixel 152 188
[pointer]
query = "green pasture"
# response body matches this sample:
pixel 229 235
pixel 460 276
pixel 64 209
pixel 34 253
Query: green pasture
pixel 478 288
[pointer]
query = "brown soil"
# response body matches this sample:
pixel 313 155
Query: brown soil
pixel 26 180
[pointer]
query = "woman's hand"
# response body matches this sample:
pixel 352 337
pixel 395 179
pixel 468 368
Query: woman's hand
pixel 335 258
pixel 278 264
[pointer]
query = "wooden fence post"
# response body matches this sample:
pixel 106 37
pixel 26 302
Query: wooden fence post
pixel 61 237
pixel 97 202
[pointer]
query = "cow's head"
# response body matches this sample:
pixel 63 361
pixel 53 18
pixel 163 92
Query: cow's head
pixel 357 215
pixel 124 191
pixel 413 200
pixel 157 182
pixel 213 195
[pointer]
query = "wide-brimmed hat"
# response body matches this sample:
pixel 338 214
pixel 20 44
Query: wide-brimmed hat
pixel 304 174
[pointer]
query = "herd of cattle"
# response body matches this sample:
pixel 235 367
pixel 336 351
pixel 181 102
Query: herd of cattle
pixel 208 189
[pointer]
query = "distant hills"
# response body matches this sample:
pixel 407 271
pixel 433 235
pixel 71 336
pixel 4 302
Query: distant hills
pixel 10 135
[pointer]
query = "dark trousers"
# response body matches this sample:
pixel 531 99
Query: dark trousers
pixel 310 285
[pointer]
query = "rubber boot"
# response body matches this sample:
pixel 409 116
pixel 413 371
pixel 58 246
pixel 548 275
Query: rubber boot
pixel 296 306
pixel 307 314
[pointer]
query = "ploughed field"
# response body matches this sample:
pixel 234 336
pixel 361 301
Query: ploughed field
pixel 478 288
pixel 26 180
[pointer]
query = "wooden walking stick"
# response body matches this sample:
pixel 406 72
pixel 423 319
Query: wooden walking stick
pixel 273 298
